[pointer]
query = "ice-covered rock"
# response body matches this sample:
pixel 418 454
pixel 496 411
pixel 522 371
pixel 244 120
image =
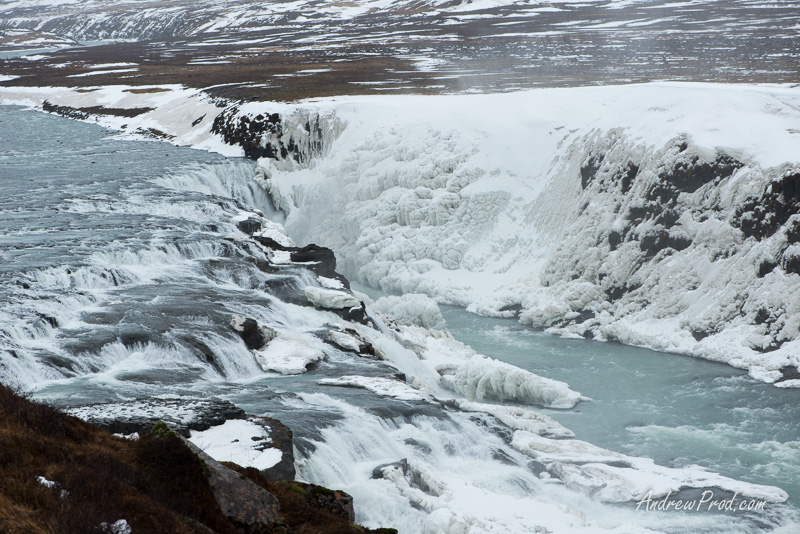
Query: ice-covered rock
pixel 412 309
pixel 384 387
pixel 181 414
pixel 330 298
pixel 253 335
pixel 288 354
pixel 482 378
pixel 519 418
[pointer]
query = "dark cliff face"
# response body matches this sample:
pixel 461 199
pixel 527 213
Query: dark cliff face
pixel 775 210
pixel 269 135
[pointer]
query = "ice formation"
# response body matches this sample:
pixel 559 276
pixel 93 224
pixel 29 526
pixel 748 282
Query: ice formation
pixel 288 353
pixel 660 215
pixel 412 309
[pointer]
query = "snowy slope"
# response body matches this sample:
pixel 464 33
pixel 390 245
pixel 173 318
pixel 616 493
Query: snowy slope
pixel 147 19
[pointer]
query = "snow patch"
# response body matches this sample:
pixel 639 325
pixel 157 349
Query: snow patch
pixel 239 441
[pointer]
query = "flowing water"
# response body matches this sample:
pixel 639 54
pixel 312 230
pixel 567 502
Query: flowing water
pixel 675 409
pixel 120 267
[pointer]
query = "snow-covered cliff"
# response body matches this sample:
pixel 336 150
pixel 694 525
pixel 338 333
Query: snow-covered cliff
pixel 661 215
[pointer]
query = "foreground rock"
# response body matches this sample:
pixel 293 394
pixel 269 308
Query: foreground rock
pixel 72 476
pixel 250 507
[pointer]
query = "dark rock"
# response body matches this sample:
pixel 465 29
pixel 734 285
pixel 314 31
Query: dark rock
pixel 271 243
pixel 689 176
pixel 357 314
pixel 760 217
pixel 515 308
pixel 249 226
pixel 324 259
pixel 378 472
pixel 763 316
pixel 637 214
pixel 617 292
pixel 678 241
pixel 700 334
pixel 264 135
pixel 791 263
pixel 654 242
pixel 668 218
pixel 254 336
pixel 282 439
pixel 85 113
pixel 589 170
pixel 614 239
pixel 789 373
pixel 346 339
pixel 250 507
pixel 319 260
pixel 766 267
pixel 628 176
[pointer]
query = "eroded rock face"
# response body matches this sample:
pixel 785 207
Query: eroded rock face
pixel 270 135
pixel 251 508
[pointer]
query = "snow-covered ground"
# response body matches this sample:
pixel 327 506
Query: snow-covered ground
pixel 621 212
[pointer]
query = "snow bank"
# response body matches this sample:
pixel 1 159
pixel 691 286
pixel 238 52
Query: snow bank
pixel 240 441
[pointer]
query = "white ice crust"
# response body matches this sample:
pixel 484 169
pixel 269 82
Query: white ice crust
pixel 412 309
pixel 288 353
pixel 232 442
pixel 330 298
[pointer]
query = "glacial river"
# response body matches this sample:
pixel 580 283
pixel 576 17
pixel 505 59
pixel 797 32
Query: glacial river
pixel 118 276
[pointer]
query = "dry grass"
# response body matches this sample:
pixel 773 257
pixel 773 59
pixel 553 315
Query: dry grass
pixel 98 478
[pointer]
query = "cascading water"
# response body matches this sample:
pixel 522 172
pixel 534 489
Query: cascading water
pixel 122 266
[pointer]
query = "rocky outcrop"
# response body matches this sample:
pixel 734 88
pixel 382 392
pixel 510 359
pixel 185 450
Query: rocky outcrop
pixel 296 138
pixel 87 112
pixel 139 416
pixel 251 508
pixel 254 336
pixel 281 439
pixel 349 340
